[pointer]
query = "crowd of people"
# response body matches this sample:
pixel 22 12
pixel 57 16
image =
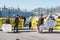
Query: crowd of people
pixel 16 22
pixel 40 24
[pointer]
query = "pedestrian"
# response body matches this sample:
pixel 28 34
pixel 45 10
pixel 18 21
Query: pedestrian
pixel 7 27
pixel 16 23
pixel 40 23
pixel 24 20
pixel 51 24
pixel 7 20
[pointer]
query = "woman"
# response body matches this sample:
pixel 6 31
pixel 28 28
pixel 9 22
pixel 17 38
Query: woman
pixel 40 22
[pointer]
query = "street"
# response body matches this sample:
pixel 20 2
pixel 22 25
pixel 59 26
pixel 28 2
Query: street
pixel 22 35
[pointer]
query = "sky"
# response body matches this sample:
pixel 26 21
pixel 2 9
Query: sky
pixel 29 4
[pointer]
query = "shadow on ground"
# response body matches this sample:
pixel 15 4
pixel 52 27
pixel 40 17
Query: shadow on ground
pixel 21 31
pixel 52 33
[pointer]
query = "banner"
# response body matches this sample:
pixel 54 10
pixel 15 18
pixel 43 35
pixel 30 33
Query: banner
pixel 34 23
pixel 57 26
pixel 21 22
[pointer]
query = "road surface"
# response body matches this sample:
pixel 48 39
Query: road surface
pixel 29 36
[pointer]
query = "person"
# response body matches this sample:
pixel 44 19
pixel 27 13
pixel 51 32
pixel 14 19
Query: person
pixel 51 24
pixel 7 20
pixel 6 27
pixel 16 23
pixel 30 20
pixel 24 20
pixel 40 22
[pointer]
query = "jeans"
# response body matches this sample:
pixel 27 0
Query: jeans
pixel 50 30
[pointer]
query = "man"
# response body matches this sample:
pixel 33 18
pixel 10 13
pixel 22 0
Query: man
pixel 51 23
pixel 6 27
pixel 16 23
pixel 7 20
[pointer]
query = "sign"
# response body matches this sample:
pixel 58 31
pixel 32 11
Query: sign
pixel 21 22
pixel 6 28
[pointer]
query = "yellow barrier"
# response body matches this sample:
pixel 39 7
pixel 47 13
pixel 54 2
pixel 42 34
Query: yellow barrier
pixel 57 27
pixel 2 20
pixel 34 23
pixel 21 22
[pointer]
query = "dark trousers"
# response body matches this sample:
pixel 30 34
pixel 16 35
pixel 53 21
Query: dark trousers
pixel 50 30
pixel 16 28
pixel 30 25
pixel 24 23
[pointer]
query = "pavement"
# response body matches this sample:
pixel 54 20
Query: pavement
pixel 30 35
